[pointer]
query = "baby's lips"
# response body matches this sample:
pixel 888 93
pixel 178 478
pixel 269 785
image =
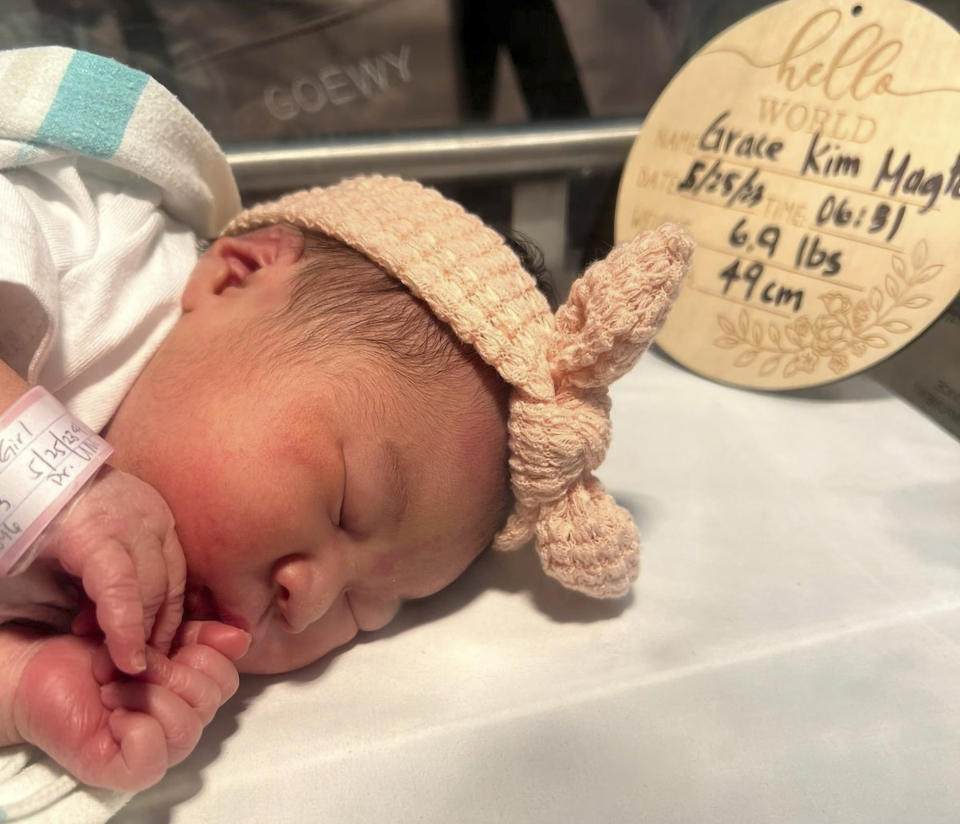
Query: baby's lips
pixel 201 604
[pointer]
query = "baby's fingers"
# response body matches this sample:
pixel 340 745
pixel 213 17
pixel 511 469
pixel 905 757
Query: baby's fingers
pixel 170 613
pixel 110 580
pixel 142 757
pixel 129 753
pixel 226 639
pixel 204 687
pixel 180 723
pixel 205 662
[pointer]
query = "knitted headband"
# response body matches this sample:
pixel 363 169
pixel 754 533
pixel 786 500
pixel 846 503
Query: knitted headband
pixel 559 366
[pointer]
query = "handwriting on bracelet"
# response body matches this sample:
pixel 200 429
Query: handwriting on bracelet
pixel 44 455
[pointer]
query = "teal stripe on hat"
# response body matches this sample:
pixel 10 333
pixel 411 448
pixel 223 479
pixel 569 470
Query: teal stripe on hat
pixel 93 106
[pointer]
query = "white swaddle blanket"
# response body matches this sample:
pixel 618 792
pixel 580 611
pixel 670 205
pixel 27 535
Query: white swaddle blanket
pixel 106 181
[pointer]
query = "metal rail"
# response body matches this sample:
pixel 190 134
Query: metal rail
pixel 448 155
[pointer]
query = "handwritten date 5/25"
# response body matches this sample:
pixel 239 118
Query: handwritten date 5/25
pixel 734 185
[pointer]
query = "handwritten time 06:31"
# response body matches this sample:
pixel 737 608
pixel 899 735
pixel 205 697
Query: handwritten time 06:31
pixel 822 161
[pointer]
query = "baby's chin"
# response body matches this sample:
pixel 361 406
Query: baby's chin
pixel 277 651
pixel 264 658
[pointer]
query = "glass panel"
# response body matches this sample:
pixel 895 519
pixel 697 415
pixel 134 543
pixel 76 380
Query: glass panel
pixel 274 71
pixel 255 71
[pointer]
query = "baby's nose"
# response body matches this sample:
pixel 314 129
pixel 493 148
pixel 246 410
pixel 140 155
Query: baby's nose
pixel 305 589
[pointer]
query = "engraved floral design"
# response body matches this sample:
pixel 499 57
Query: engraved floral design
pixel 846 329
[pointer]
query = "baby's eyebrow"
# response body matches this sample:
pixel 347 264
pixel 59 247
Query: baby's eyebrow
pixel 396 479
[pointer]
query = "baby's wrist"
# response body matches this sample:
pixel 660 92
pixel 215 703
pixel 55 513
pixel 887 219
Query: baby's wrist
pixel 17 648
pixel 48 457
pixel 47 547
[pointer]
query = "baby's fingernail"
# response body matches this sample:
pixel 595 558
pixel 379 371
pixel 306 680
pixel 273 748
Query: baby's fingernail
pixel 140 660
pixel 247 640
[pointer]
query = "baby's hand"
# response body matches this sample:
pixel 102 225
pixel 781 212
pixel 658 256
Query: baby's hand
pixel 119 539
pixel 125 734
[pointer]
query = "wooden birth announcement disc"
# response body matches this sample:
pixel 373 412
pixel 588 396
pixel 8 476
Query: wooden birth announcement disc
pixel 813 152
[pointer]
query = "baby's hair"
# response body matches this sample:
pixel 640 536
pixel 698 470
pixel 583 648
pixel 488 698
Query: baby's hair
pixel 531 259
pixel 340 296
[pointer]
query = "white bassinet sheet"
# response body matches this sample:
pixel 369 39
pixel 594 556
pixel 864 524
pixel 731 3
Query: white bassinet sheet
pixel 791 652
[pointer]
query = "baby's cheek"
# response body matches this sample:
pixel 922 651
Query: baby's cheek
pixel 371 615
pixel 226 525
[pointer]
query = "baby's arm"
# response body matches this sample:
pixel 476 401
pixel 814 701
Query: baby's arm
pixel 63 694
pixel 118 538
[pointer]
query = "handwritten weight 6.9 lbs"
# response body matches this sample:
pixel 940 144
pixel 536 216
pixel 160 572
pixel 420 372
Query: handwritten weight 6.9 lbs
pixel 811 256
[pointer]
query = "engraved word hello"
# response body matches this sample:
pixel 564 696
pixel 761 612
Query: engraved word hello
pixel 857 67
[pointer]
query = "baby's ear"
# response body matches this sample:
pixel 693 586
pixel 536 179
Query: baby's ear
pixel 231 260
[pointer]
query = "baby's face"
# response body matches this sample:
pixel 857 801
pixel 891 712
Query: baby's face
pixel 310 502
pixel 312 513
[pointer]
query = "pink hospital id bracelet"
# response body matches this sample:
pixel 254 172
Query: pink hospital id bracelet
pixel 46 456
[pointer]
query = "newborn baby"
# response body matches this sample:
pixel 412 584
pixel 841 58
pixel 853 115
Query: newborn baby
pixel 358 389
pixel 364 390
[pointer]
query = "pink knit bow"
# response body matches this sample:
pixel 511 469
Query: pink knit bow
pixel 584 539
